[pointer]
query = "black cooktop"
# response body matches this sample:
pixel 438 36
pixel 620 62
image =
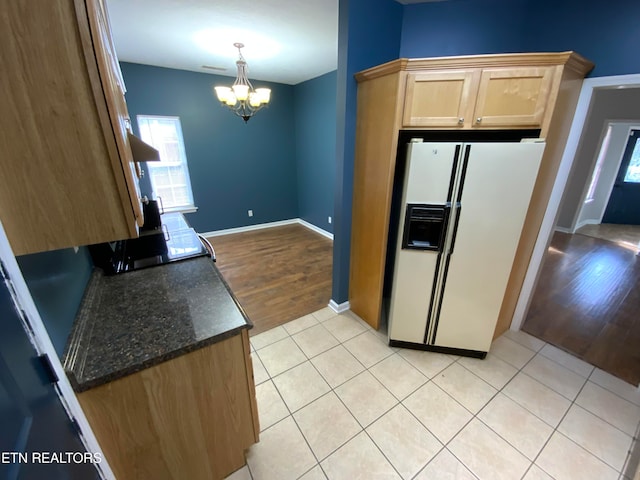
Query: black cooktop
pixel 158 248
pixel 173 242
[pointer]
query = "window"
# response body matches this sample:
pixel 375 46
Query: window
pixel 633 170
pixel 170 176
pixel 598 167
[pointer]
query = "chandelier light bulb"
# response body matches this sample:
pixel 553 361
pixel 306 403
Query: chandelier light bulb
pixel 241 98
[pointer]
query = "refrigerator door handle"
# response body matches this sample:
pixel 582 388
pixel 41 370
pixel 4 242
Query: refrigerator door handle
pixel 455 226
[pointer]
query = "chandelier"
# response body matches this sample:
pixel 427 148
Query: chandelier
pixel 241 98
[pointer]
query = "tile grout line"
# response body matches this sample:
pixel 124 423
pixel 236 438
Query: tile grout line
pixel 555 429
pixel 401 401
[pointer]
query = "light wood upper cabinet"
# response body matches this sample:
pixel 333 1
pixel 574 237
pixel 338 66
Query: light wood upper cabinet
pixel 513 97
pixel 114 89
pixel 507 97
pixel 438 99
pixel 65 173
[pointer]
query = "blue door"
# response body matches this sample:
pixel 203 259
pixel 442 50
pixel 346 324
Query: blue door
pixel 37 438
pixel 624 202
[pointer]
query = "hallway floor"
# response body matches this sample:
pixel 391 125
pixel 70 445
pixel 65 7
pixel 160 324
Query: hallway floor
pixel 587 302
pixel 335 402
pixel 627 236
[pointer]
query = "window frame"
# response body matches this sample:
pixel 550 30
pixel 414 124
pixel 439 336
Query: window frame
pixel 183 163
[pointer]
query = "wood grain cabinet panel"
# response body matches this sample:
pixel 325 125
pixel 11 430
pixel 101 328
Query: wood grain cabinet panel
pixel 508 97
pixel 512 97
pixel 114 91
pixel 438 99
pixel 190 417
pixel 65 174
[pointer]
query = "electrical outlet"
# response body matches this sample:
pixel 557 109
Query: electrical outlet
pixel 329 220
pixel 250 213
pixel 76 249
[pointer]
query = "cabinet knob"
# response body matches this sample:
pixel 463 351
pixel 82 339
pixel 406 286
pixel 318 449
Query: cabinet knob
pixel 479 119
pixel 461 120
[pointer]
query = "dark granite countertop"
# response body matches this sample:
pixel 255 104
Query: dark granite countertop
pixel 135 320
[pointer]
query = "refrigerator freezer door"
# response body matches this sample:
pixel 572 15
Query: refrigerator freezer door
pixel 428 177
pixel 495 197
pixel 430 168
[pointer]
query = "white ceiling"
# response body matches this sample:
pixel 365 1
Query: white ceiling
pixel 287 41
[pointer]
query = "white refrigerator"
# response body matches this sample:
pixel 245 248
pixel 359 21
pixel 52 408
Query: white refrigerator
pixel 463 209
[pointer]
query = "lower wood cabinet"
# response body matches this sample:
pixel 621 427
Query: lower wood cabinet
pixel 189 417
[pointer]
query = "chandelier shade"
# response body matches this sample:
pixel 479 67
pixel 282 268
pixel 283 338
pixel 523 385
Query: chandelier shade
pixel 241 98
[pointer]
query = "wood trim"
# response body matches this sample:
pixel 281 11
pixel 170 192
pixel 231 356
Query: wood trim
pixel 378 112
pixel 251 384
pixel 189 417
pixel 381 70
pixel 572 60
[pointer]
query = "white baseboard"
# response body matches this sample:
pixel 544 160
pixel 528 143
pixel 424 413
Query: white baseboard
pixel 260 226
pixel 562 229
pixel 339 308
pixel 311 226
pixel 589 221
pixel 249 228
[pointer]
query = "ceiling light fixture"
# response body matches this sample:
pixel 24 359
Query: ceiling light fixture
pixel 241 97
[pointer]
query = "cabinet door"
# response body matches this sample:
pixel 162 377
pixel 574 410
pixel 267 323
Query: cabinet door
pixel 114 90
pixel 513 97
pixel 438 99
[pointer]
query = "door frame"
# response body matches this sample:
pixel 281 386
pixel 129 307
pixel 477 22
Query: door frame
pixel 589 87
pixel 628 125
pixel 42 344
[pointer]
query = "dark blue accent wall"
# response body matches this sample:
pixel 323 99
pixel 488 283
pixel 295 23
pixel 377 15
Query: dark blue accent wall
pixel 463 27
pixel 234 167
pixel 606 33
pixel 369 34
pixel 57 281
pixel 315 117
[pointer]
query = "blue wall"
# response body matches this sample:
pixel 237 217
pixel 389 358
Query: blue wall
pixel 315 117
pixel 606 33
pixel 463 27
pixel 57 281
pixel 368 34
pixel 233 166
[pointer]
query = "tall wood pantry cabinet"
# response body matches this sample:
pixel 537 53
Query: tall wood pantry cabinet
pixel 469 93
pixel 67 175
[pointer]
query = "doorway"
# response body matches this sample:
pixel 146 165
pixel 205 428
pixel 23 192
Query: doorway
pixel 569 190
pixel 624 203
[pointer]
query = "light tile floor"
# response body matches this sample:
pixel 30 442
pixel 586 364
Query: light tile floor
pixel 335 402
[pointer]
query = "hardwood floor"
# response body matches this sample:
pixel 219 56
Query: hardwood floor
pixel 588 303
pixel 278 274
pixel 623 235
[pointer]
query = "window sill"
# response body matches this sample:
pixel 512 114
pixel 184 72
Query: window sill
pixel 183 209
